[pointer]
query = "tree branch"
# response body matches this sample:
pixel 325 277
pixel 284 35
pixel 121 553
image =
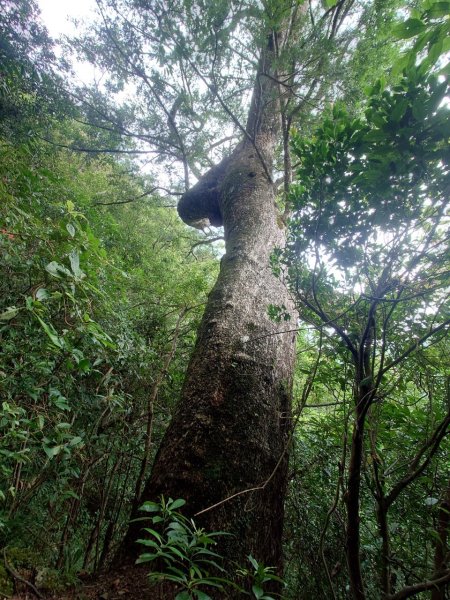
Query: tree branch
pixel 204 243
pixel 96 150
pixel 135 198
pixel 414 346
pixel 18 577
pixel 416 469
pixel 412 590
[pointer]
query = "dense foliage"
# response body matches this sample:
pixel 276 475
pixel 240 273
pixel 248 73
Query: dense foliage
pixel 102 289
pixel 368 265
pixel 98 311
pixel 83 355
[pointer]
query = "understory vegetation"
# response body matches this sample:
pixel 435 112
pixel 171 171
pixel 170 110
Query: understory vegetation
pixel 102 290
pixel 90 370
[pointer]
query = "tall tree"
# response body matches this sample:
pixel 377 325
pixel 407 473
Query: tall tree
pixel 225 451
pixel 368 259
pixel 30 89
pixel 194 65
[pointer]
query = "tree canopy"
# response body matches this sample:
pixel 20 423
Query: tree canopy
pixel 317 134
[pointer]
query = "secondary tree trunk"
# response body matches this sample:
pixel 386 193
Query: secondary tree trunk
pixel 442 547
pixel 231 430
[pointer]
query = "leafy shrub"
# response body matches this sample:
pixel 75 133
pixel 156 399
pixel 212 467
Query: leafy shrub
pixel 182 552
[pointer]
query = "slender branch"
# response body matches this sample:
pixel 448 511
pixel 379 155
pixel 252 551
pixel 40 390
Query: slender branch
pixel 204 242
pixel 95 150
pixel 233 118
pixel 327 321
pixel 305 395
pixel 322 405
pixel 228 138
pixel 415 346
pixel 247 490
pixel 143 75
pixel 117 128
pixel 135 198
pixel 331 510
pixel 16 575
pixel 413 590
pixel 415 468
pixel 153 395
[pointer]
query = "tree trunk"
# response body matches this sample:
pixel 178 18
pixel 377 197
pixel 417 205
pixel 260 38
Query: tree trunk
pixel 441 550
pixel 230 432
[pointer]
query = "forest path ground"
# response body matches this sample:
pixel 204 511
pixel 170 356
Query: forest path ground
pixel 124 584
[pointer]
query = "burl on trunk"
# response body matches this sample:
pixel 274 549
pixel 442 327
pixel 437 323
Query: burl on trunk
pixel 230 432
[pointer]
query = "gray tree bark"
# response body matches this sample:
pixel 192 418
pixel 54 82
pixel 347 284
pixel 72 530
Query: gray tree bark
pixel 231 430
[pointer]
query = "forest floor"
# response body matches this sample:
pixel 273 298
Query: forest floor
pixel 124 584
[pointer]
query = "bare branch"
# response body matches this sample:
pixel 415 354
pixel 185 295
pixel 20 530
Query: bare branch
pixel 413 590
pixel 135 198
pixel 18 577
pixel 96 150
pixel 415 346
pixel 415 468
pixel 204 243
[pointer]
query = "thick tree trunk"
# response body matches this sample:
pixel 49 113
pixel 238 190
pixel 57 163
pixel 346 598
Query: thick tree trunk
pixel 231 427
pixel 231 430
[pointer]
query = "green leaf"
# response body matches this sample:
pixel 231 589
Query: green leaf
pixel 402 63
pixel 84 365
pixel 419 109
pixel 157 519
pixel 176 504
pixel 154 533
pixel 184 595
pixel 150 507
pixel 71 229
pixel 399 109
pixel 178 572
pixel 408 29
pixel 149 543
pixel 438 9
pixel 42 294
pixel 76 441
pixel 52 333
pixel 434 53
pixel 9 313
pixel 146 557
pixel 180 554
pixel 257 591
pixel 53 451
pixel 201 595
pixel 74 258
pixel 431 501
pixel 61 403
pixel 57 270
